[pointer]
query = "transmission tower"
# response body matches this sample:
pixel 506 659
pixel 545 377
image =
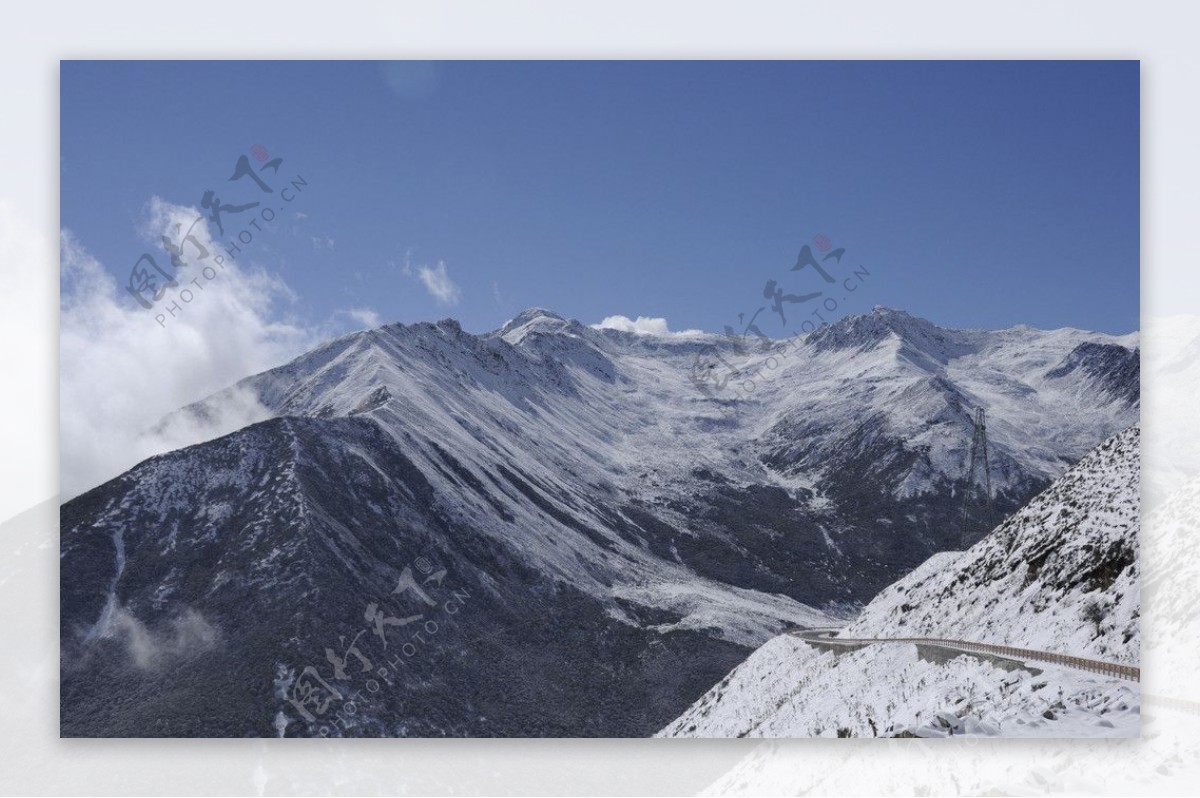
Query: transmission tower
pixel 979 462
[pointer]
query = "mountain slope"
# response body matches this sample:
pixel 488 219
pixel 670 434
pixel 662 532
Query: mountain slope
pixel 181 585
pixel 1031 583
pixel 1059 575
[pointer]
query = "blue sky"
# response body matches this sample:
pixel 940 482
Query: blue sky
pixel 977 194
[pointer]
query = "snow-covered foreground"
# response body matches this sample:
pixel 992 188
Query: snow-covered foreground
pixel 1060 575
pixel 789 689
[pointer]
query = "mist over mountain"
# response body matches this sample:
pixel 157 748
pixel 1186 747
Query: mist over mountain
pixel 549 529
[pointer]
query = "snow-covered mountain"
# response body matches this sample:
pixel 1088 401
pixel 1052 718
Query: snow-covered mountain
pixel 628 518
pixel 1060 575
pixel 854 445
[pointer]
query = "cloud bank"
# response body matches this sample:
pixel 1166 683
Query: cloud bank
pixel 642 325
pixel 122 372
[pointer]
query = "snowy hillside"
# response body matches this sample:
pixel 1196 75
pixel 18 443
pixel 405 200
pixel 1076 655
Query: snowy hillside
pixel 1060 575
pixel 567 478
pixel 789 689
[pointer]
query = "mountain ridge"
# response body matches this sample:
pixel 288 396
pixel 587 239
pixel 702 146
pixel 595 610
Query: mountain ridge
pixel 562 471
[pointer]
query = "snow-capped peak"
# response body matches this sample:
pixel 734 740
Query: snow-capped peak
pixel 915 335
pixel 540 317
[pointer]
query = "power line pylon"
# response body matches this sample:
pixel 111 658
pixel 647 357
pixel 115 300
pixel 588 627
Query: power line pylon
pixel 979 462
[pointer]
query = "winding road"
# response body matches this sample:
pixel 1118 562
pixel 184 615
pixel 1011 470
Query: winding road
pixel 824 639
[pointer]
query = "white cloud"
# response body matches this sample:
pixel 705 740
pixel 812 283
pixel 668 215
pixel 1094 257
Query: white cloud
pixel 642 325
pixel 438 283
pixel 368 318
pixel 322 242
pixel 122 372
